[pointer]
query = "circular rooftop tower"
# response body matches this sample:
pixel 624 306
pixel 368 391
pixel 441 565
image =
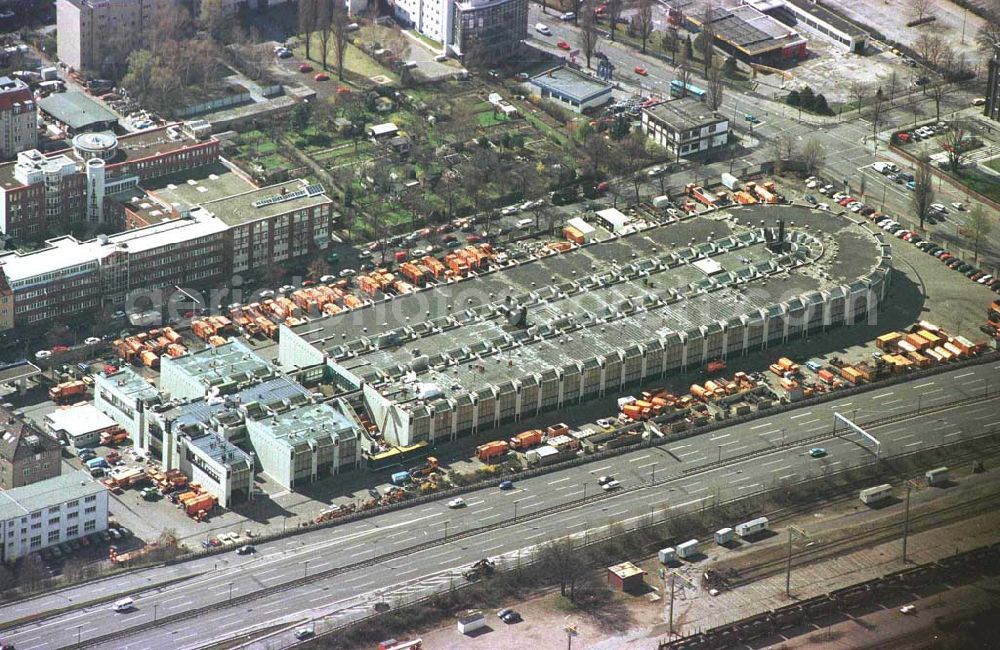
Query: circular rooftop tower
pixel 95 145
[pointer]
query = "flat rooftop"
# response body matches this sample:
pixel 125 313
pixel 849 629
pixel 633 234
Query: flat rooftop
pixel 197 186
pixel 131 384
pixel 54 491
pixel 684 113
pixel 79 420
pixel 67 253
pixel 824 15
pixel 228 364
pixel 571 83
pixel 268 394
pixel 595 299
pixel 750 30
pixel 306 423
pixel 77 111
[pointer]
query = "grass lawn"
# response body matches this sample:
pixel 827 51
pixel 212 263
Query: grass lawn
pixel 994 164
pixel 355 61
pixel 985 184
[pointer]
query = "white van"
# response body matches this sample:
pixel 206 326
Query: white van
pixel 123 605
pixel 524 224
pixel 543 29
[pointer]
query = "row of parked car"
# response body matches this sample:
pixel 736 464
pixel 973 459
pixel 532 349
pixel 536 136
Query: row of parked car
pixel 57 551
pixel 970 271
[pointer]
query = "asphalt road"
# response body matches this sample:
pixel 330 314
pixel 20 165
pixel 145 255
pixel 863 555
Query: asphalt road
pixel 681 482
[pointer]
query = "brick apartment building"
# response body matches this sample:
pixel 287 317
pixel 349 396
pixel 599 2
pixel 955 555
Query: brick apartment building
pixel 18 118
pixel 42 194
pixel 26 455
pixel 89 32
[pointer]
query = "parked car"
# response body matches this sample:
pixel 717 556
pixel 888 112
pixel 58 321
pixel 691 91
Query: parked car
pixel 304 632
pixel 305 67
pixel 246 549
pixel 563 45
pixel 322 76
pixel 639 70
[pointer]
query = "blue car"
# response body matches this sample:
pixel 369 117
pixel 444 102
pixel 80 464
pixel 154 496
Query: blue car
pixel 911 184
pixel 506 485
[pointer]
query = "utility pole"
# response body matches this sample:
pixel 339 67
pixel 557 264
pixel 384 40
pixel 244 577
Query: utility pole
pixel 910 486
pixel 788 559
pixel 671 632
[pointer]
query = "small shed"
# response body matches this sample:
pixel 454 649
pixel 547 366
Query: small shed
pixel 626 577
pixel 385 130
pixel 612 219
pixel 400 144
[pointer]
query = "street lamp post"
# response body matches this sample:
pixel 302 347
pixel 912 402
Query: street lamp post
pixel 155 605
pixel 305 568
pixel 446 530
pixel 515 511
pixel 230 592
pixel 78 628
pixel 652 475
pixel 720 452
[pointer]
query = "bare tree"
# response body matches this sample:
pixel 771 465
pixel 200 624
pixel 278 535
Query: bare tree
pixel 954 144
pixel 878 103
pixel 813 155
pixel 938 91
pixel 324 27
pixel 783 149
pixel 564 563
pixel 614 15
pixel 920 8
pixel 340 26
pixel 29 572
pixel 589 36
pixel 892 84
pixel 707 36
pixel 670 42
pixel 859 90
pixel 216 18
pixel 684 71
pixel 594 149
pixel 977 230
pixel 644 21
pixel 988 37
pixel 930 47
pixel 923 190
pixel 308 10
pixel 716 88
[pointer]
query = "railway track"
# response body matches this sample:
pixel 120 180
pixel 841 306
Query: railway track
pixel 869 537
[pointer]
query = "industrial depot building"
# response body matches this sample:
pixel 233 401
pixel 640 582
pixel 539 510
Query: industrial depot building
pixel 539 333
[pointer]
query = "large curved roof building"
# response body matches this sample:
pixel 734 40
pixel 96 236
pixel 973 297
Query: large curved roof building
pixel 537 333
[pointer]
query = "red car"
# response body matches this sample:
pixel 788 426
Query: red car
pixel 305 67
pixel 562 45
pixel 322 76
pixel 60 348
pixel 343 90
pixel 448 238
pixel 445 228
pixel 640 70
pixel 473 239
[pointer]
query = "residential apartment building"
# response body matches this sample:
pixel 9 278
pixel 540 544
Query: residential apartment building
pixel 685 127
pixel 18 118
pixel 92 33
pixel 26 454
pixel 488 30
pixel 42 514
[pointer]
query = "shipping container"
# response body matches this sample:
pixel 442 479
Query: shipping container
pixel 886 341
pixel 687 549
pixel 875 494
pixel 667 555
pixel 825 376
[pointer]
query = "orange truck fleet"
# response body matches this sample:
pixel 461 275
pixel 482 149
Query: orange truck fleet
pixel 66 391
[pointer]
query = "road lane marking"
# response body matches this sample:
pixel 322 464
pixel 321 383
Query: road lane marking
pixel 647 465
pixel 964 374
pixel 772 462
pixel 953 433
pixel 914 444
pixel 782 478
pixel 875 397
pixel 801 415
pixel 747 487
pixel 892 401
pixel 924 385
pixel 760 426
pixel 600 469
pixel 562 480
pixel 725 435
pixel 909 435
pixel 633 460
pixel 692 501
pixel 781 469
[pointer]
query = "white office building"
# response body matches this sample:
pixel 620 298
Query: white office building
pixel 50 512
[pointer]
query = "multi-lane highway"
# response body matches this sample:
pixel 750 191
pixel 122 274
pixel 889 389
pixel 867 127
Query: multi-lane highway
pixel 667 480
